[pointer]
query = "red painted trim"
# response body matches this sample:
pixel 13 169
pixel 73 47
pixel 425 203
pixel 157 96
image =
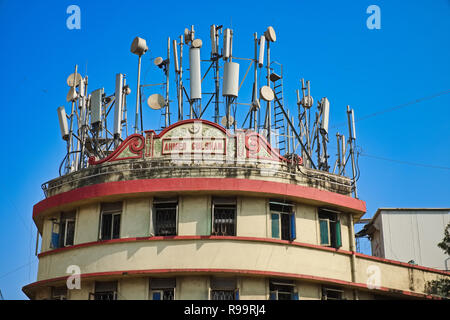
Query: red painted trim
pixel 233 271
pixel 198 184
pixel 135 142
pixel 165 238
pixel 403 264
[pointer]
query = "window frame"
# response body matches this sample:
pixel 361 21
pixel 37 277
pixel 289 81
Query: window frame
pixel 231 203
pixel 113 213
pixel 291 220
pixel 160 201
pixel 334 227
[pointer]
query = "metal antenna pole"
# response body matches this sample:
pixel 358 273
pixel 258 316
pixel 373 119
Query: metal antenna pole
pixel 351 139
pixel 255 85
pixel 268 122
pixel 167 115
pixel 138 89
pixel 180 102
pixel 216 78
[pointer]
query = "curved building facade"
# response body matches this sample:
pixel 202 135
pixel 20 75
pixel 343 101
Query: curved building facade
pixel 195 212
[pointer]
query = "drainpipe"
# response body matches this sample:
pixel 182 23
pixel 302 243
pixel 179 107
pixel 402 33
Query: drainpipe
pixel 353 257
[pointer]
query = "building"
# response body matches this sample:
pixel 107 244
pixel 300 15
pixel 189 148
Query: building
pixel 409 235
pixel 198 212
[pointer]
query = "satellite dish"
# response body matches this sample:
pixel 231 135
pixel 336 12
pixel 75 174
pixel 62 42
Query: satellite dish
pixel 74 77
pixel 224 121
pixel 158 61
pixel 270 34
pixel 156 101
pixel 139 46
pixel 197 43
pixel 72 95
pixel 266 93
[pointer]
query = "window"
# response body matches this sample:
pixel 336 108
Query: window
pixel 110 220
pixel 224 217
pixel 165 216
pixel 105 290
pixel 59 293
pixel 332 293
pixel 162 288
pixel 63 230
pixel 224 289
pixel 283 220
pixel 330 228
pixel 281 289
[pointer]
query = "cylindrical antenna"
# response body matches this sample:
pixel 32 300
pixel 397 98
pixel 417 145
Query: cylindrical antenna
pixel 262 47
pixel 255 86
pixel 118 109
pixel 212 33
pixel 230 79
pixel 351 128
pixel 175 55
pixel 195 74
pixel 226 44
pixel 63 125
pixel 180 93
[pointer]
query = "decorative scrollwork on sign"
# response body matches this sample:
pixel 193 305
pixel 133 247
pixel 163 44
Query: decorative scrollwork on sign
pixel 131 148
pixel 252 143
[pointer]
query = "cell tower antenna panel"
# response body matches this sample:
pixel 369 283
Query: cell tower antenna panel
pixel 212 34
pixel 118 105
pixel 325 106
pixel 63 123
pixel 195 74
pixel 175 55
pixel 227 44
pixel 96 106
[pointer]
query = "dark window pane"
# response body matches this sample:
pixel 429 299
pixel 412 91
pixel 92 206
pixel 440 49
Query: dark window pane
pixel 285 227
pixel 116 226
pixel 62 230
pixel 166 219
pixel 70 233
pixel 106 226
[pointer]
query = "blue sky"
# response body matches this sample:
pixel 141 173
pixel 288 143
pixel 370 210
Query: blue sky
pixel 326 42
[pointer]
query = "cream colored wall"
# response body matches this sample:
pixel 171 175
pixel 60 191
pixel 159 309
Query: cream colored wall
pixel 135 219
pixel 82 293
pixel 309 291
pixel 133 289
pixel 87 224
pixel 192 288
pixel 194 218
pixel 306 224
pixel 253 289
pixel 252 217
pixel 194 215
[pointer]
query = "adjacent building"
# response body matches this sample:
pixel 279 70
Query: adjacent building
pixel 409 235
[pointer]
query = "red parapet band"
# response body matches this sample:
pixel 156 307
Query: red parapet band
pixel 322 197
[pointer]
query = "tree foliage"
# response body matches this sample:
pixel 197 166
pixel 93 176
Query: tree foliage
pixel 441 287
